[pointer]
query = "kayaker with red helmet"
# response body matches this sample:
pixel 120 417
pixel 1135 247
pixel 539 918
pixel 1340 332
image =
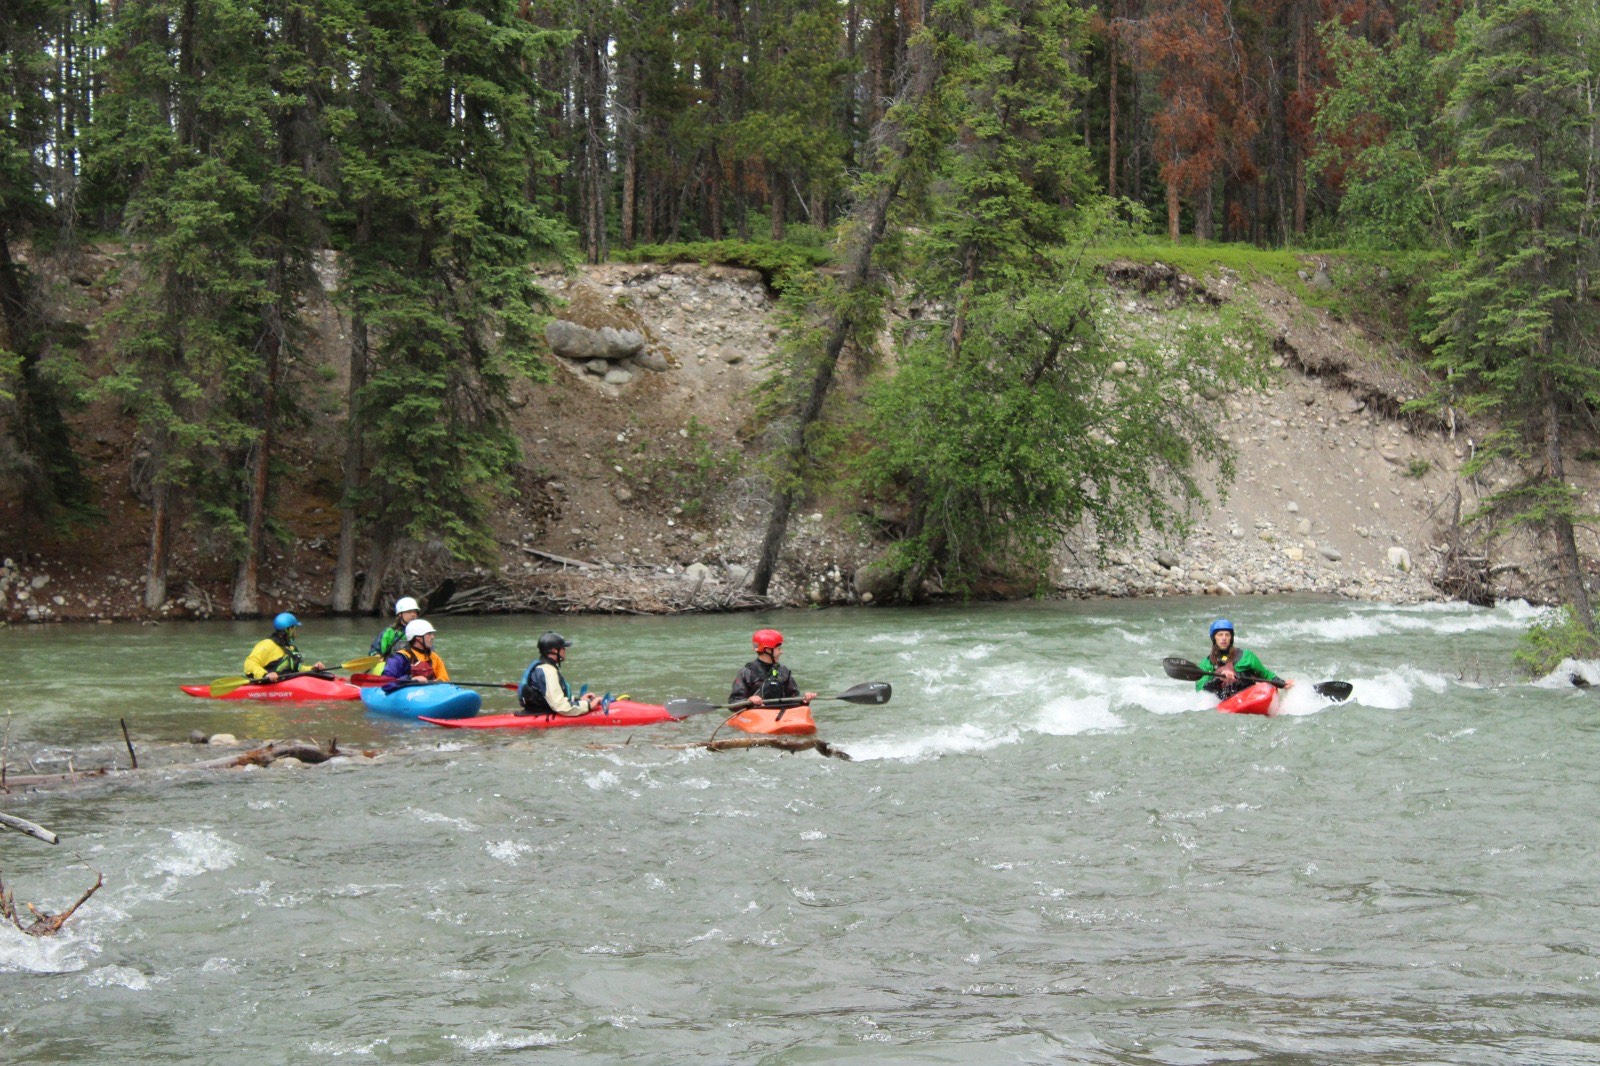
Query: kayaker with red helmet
pixel 276 655
pixel 1232 669
pixel 543 690
pixel 415 660
pixel 764 678
pixel 406 611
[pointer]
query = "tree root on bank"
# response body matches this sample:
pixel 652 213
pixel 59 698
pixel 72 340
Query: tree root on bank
pixel 44 923
pixel 792 745
pixel 266 755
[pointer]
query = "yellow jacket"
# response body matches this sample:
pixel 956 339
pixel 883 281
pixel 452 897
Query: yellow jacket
pixel 271 657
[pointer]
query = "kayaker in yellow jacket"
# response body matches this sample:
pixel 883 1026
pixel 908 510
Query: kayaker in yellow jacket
pixel 272 658
pixel 415 660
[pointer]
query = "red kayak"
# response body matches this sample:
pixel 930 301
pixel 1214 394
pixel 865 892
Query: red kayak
pixel 1260 698
pixel 294 688
pixel 620 712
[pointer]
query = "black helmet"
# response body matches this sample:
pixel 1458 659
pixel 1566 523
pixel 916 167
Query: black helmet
pixel 551 641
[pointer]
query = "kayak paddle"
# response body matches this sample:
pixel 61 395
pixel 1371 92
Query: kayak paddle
pixel 1184 670
pixel 224 685
pixel 870 692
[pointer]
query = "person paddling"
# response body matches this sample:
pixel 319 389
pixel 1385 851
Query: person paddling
pixel 1232 669
pixel 415 660
pixel 406 611
pixel 764 677
pixel 543 690
pixel 275 656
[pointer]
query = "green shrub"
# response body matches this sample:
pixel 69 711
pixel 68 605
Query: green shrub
pixel 1553 637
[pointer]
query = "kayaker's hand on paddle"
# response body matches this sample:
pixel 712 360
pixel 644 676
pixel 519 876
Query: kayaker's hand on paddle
pixel 808 697
pixel 271 675
pixel 319 666
pixel 588 701
pixel 1288 682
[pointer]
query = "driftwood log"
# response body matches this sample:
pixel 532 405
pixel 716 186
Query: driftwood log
pixel 33 829
pixel 265 755
pixel 792 745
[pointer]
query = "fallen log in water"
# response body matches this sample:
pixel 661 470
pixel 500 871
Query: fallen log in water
pixel 792 745
pixel 265 755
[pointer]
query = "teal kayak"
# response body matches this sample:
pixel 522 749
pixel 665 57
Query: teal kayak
pixel 438 700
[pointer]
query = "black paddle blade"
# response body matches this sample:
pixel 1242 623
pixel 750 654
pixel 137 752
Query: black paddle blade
pixel 1334 690
pixel 870 692
pixel 685 706
pixel 1182 669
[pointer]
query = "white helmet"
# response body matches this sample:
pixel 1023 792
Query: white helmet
pixel 406 603
pixel 417 627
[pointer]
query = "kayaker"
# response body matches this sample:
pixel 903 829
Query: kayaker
pixel 1232 669
pixel 270 659
pixel 543 690
pixel 415 660
pixel 406 611
pixel 764 677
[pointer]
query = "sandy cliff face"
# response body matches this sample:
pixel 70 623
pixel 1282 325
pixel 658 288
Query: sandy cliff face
pixel 640 490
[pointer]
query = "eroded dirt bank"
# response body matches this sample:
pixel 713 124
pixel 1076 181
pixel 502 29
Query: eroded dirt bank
pixel 636 493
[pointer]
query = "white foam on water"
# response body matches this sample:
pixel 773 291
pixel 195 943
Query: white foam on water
pixel 62 953
pixel 961 739
pixel 1395 689
pixel 507 851
pixel 1358 622
pixel 1562 676
pixel 193 852
pixel 118 977
pixel 1068 716
pixel 339 1048
pixel 431 817
pixel 494 1040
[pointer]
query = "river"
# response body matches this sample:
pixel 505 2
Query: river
pixel 1043 851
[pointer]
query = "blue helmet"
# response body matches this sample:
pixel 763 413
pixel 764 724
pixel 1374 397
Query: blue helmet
pixel 285 620
pixel 1221 623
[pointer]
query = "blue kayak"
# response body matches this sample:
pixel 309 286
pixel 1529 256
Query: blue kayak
pixel 438 700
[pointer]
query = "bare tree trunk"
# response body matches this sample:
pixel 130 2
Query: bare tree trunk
pixel 1111 122
pixel 155 574
pixel 778 188
pixel 1568 562
pixel 344 569
pixel 873 214
pixel 1172 212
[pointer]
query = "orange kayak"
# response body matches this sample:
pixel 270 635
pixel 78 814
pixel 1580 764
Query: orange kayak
pixel 775 721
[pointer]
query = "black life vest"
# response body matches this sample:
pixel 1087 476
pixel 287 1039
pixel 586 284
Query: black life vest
pixel 531 692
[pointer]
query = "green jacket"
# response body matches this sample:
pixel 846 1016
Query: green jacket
pixel 1245 664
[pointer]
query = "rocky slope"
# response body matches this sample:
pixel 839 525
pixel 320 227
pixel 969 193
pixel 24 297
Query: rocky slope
pixel 637 493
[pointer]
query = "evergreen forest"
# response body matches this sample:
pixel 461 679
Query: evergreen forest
pixel 977 152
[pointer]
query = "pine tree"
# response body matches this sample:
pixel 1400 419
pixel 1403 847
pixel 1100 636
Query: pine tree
pixel 437 147
pixel 40 462
pixel 1517 332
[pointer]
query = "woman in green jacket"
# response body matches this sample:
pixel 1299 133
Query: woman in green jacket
pixel 1231 669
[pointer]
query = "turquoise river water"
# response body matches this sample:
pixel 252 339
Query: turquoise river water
pixel 1043 851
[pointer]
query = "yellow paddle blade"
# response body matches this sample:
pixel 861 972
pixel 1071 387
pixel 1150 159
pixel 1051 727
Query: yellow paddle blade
pixel 363 664
pixel 224 685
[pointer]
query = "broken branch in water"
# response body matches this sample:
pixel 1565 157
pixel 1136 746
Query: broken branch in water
pixel 44 923
pixel 22 825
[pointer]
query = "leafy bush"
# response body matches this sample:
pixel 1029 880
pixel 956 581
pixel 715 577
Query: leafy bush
pixel 1552 638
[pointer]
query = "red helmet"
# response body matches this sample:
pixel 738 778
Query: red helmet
pixel 766 639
